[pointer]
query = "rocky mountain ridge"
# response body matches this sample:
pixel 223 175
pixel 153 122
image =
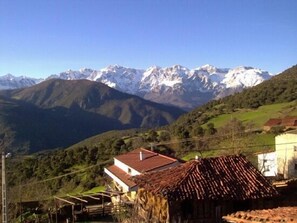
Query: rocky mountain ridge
pixel 176 85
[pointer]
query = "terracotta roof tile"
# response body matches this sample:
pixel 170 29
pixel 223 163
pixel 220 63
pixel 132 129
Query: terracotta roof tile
pixel 281 214
pixel 273 122
pixel 227 178
pixel 122 175
pixel 289 121
pixel 151 161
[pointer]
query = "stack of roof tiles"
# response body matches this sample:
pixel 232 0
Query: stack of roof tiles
pixel 281 214
pixel 289 121
pixel 227 178
pixel 273 122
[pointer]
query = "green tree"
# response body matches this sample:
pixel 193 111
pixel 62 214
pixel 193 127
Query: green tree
pixel 164 136
pixel 197 131
pixel 152 136
pixel 210 130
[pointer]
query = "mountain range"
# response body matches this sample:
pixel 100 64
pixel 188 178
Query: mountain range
pixel 176 85
pixel 278 90
pixel 58 113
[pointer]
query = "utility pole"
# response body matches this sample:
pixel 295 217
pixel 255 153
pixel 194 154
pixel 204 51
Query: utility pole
pixel 4 199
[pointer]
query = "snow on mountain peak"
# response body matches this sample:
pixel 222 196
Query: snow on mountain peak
pixel 158 84
pixel 10 81
pixel 242 77
pixel 7 77
pixel 207 67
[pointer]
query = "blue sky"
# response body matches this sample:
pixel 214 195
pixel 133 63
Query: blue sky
pixel 41 37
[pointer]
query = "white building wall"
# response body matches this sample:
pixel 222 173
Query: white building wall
pixel 267 164
pixel 286 152
pixel 125 168
pixel 124 187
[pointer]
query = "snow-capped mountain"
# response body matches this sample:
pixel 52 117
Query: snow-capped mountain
pixel 176 85
pixel 83 73
pixel 9 81
pixel 118 77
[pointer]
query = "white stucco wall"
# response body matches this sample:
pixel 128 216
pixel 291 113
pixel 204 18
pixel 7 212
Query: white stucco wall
pixel 267 164
pixel 125 167
pixel 286 152
pixel 124 187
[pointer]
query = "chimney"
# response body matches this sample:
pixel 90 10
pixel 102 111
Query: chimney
pixel 141 155
pixel 152 147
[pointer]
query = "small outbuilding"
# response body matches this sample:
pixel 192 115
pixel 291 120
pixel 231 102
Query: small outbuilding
pixel 289 122
pixel 202 190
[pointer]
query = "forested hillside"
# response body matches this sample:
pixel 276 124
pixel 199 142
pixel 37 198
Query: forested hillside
pixel 281 88
pixel 59 113
pixel 188 135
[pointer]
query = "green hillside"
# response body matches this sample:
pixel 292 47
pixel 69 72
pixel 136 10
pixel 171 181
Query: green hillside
pixel 218 128
pixel 59 113
pixel 256 116
pixel 280 89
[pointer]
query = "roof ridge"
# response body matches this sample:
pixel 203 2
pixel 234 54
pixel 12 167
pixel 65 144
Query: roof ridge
pixel 192 165
pixel 159 154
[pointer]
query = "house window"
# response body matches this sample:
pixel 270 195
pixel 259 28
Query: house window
pixel 295 148
pixel 295 167
pixel 129 171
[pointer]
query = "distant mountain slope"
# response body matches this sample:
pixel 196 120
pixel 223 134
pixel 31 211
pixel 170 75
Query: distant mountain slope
pixel 58 113
pixel 280 88
pixel 9 81
pixel 176 85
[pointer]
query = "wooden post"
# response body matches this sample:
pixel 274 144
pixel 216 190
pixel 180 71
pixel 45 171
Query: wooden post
pixel 102 205
pixel 56 211
pixel 72 207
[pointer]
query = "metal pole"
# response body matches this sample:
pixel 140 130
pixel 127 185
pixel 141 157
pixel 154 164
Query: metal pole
pixel 4 201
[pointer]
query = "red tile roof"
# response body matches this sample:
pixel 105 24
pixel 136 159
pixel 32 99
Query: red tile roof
pixel 122 175
pixel 227 178
pixel 289 121
pixel 151 161
pixel 281 214
pixel 273 122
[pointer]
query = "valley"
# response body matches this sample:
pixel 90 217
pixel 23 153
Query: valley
pixel 228 126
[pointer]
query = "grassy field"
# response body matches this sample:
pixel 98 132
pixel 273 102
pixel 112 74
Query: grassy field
pixel 95 190
pixel 249 145
pixel 257 116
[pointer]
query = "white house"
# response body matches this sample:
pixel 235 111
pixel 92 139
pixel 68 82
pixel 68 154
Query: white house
pixel 134 163
pixel 286 154
pixel 283 161
pixel 267 164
